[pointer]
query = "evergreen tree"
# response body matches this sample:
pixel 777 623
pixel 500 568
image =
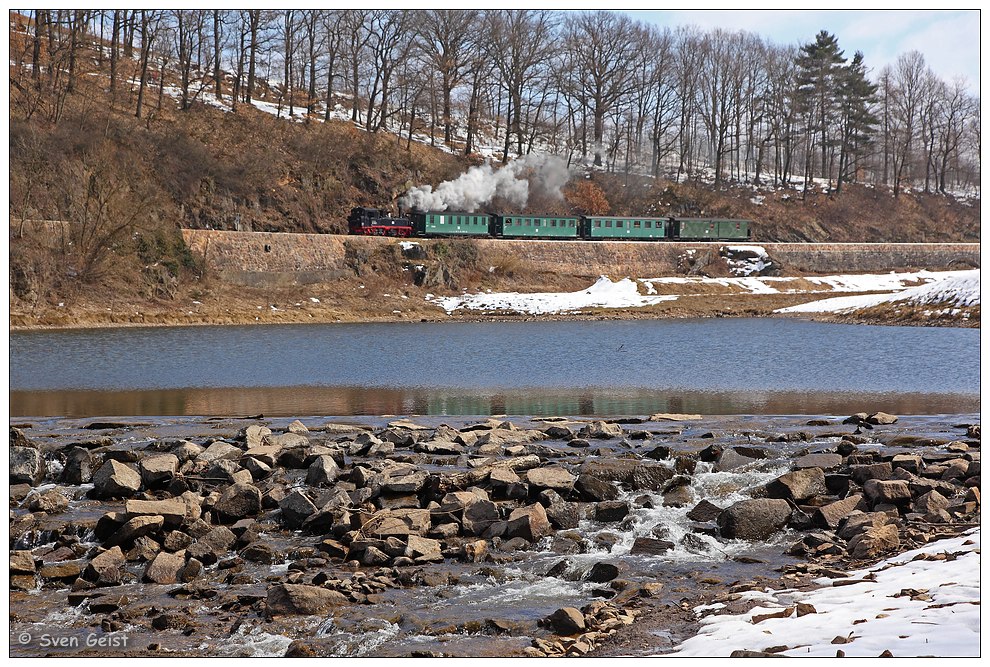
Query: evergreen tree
pixel 820 69
pixel 857 96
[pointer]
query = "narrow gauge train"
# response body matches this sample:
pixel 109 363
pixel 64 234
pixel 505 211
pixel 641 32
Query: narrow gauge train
pixel 437 224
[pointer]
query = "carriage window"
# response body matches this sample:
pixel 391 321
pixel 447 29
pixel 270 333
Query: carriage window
pixel 636 224
pixel 598 223
pixel 619 223
pixel 647 224
pixel 553 223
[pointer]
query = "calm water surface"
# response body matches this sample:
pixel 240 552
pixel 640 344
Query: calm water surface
pixel 720 366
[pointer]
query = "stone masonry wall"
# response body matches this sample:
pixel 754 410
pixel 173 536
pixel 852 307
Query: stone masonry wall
pixel 264 258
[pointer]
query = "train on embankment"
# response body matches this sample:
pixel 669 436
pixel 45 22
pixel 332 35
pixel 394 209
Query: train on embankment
pixel 449 224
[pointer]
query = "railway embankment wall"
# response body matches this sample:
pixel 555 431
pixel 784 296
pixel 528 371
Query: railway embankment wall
pixel 263 258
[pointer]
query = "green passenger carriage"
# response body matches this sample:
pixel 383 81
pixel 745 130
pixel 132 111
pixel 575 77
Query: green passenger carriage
pixel 450 223
pixel 701 229
pixel 612 227
pixel 535 226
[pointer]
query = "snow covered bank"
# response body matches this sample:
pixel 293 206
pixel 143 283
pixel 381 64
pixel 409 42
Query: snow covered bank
pixel 913 605
pixel 603 294
pixel 951 290
pixel 953 287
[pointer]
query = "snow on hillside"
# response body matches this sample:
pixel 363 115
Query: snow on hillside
pixel 924 602
pixel 956 289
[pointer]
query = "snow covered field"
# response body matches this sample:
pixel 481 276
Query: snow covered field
pixel 953 289
pixel 911 604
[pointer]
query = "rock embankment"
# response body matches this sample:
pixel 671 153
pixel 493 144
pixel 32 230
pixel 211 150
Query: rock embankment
pixel 376 508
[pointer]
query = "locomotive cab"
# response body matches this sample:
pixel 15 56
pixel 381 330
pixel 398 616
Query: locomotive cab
pixel 375 222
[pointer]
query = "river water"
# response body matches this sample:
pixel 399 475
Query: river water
pixel 712 366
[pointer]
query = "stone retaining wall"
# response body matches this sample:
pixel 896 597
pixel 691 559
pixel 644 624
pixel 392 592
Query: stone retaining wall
pixel 264 258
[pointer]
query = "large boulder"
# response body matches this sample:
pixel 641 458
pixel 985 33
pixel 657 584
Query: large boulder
pixel 611 510
pixel 478 516
pixel 296 508
pixel 600 430
pixel 650 476
pixel 134 528
pixel 239 501
pixel 798 485
pixel 165 568
pixel 173 510
pixel 894 491
pixel 557 479
pixel 594 488
pixel 105 569
pixel 566 621
pixel 78 467
pixel 323 471
pixel 754 519
pixel 875 541
pixel 115 480
pixel 158 470
pixel 300 599
pixel 27 466
pixel 530 523
pixel 831 515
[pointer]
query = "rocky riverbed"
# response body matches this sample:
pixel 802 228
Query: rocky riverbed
pixel 444 536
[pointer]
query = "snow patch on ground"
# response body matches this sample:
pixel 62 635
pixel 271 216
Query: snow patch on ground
pixel 874 615
pixel 603 294
pixel 745 260
pixel 951 288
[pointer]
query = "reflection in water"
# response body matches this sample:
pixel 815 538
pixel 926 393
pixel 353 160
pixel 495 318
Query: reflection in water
pixel 344 401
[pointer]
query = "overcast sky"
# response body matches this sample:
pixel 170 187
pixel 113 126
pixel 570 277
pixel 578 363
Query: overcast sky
pixel 949 40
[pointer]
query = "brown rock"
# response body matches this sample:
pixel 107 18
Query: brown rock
pixel 754 519
pixel 300 599
pixel 115 480
pixel 530 523
pixel 829 516
pixel 135 528
pixel 875 541
pixel 165 568
pixel 567 621
pixel 557 479
pixel 798 485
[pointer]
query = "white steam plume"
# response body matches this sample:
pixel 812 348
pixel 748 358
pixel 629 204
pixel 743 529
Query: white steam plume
pixel 480 185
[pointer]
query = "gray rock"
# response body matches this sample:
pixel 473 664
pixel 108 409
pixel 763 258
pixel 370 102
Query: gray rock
pixel 704 511
pixel 78 468
pixel 173 511
pixel 931 502
pixel 158 471
pixel 220 451
pixel 823 460
pixel 596 489
pixel 557 479
pixel 730 459
pixel 105 567
pixel 799 485
pixel 322 472
pixel 564 515
pixel 134 528
pixel 115 480
pixel 650 476
pixel 754 519
pixel 648 546
pixel 239 501
pixel 296 507
pixel 611 510
pixel 600 430
pixel 27 466
pixel 601 573
pixel 254 435
pixel 479 516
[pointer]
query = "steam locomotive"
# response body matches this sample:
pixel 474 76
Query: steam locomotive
pixel 447 224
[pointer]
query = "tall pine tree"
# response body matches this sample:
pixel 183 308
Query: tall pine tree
pixel 857 96
pixel 820 70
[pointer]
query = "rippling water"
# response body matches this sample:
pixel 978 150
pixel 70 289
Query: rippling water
pixel 720 366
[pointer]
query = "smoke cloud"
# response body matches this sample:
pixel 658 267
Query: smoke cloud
pixel 480 185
